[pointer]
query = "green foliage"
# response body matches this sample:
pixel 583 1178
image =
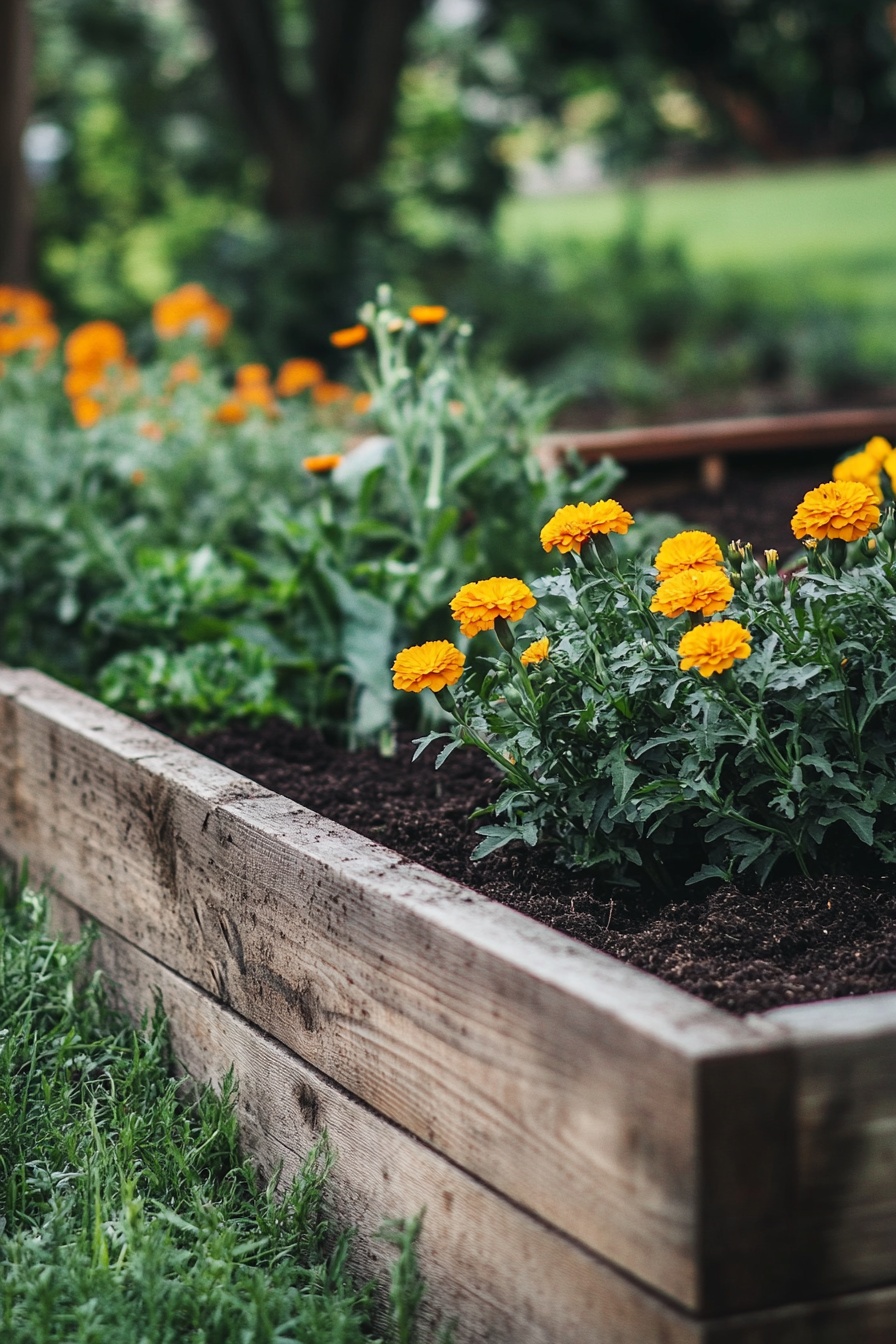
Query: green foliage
pixel 655 775
pixel 126 1208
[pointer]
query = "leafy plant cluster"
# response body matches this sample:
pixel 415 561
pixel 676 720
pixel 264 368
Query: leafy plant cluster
pixel 186 563
pixel 738 722
pixel 127 1210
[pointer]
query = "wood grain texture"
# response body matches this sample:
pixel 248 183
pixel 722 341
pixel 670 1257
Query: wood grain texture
pixel 746 434
pixel 562 1078
pixel 502 1275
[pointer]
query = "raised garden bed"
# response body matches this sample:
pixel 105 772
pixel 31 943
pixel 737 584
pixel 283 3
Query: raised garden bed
pixel 602 1157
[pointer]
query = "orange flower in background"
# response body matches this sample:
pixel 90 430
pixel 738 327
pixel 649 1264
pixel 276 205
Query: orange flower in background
pixel 78 381
pixel 190 311
pixel 138 476
pixel 431 666
pixel 572 525
pixel 693 590
pixel 150 430
pixel 477 606
pixel 536 652
pixel 348 336
pixel 230 412
pixel 428 314
pixel 87 411
pixel 24 305
pixel 878 448
pixel 864 467
pixel 186 370
pixel 322 462
pixel 714 648
pixel 95 345
pixel 837 510
pixel 298 374
pixel 687 550
pixel 252 375
pixel 327 394
pixel 362 403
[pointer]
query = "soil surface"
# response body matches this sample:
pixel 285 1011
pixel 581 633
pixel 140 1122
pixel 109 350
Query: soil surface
pixel 795 942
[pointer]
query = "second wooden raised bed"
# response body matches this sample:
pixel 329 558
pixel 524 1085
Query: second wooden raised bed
pixel 601 1157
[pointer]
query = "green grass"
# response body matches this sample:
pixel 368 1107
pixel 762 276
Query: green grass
pixel 830 231
pixel 127 1213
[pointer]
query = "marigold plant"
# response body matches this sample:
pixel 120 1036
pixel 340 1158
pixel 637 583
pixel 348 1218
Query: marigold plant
pixel 724 720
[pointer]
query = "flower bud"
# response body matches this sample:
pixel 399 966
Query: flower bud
pixel 384 295
pixel 774 589
pixel 735 555
pixel 597 553
pixel 889 526
pixel 771 562
pixel 504 634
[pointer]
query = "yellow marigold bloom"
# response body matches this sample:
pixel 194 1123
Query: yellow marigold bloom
pixel 230 412
pixel 696 590
pixel 362 403
pixel 687 550
pixel 478 605
pixel 186 370
pixel 297 374
pixel 348 336
pixel 713 647
pixel 190 310
pixel 863 467
pixel 572 525
pixel 87 411
pixel 889 466
pixel 257 394
pixel 94 345
pixel 328 394
pixel 428 314
pixel 322 462
pixel 839 510
pixel 536 652
pixel 433 665
pixel 879 448
pixel 24 305
pixel 252 375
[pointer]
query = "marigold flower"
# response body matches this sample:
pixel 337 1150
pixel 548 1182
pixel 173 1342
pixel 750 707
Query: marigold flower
pixel 536 652
pixel 348 336
pixel 138 476
pixel 433 665
pixel 95 344
pixel 428 314
pixel 362 403
pixel 186 370
pixel 838 510
pixel 714 647
pixel 78 381
pixel 687 550
pixel 230 412
pixel 879 448
pixel 695 590
pixel 257 394
pixel 87 411
pixel 327 394
pixel 297 374
pixel 322 462
pixel 28 335
pixel 572 525
pixel 252 375
pixel 150 430
pixel 478 605
pixel 190 310
pixel 24 305
pixel 864 467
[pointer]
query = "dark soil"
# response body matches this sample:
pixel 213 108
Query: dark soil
pixel 795 942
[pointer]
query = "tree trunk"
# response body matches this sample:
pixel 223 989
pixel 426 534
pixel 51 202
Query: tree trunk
pixel 316 144
pixel 15 106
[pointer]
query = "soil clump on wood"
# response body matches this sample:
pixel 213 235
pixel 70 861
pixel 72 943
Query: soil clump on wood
pixel 797 941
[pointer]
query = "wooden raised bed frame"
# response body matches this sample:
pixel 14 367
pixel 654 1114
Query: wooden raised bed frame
pixel 602 1158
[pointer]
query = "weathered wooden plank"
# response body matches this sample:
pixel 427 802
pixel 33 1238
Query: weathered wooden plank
pixel 745 434
pixel 566 1080
pixel 501 1273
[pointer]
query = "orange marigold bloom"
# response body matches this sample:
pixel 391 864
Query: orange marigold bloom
pixel 695 590
pixel 572 525
pixel 864 467
pixel 257 394
pixel 95 344
pixel 687 550
pixel 87 411
pixel 327 394
pixel 186 370
pixel 322 462
pixel 362 403
pixel 878 448
pixel 428 314
pixel 348 336
pixel 837 510
pixel 536 652
pixel 713 647
pixel 230 412
pixel 78 381
pixel 150 430
pixel 478 605
pixel 24 305
pixel 138 476
pixel 433 665
pixel 190 310
pixel 297 374
pixel 28 335
pixel 252 375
